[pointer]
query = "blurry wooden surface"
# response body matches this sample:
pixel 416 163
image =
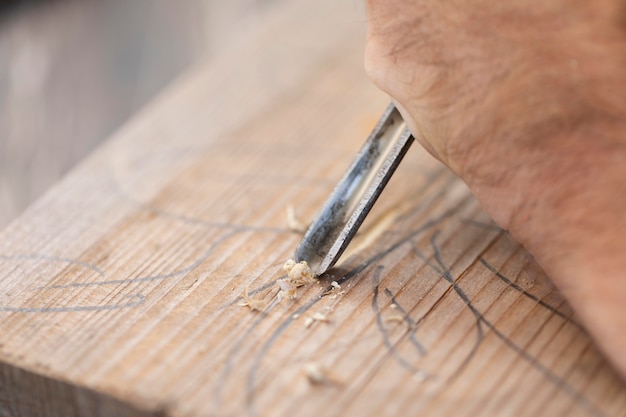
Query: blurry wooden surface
pixel 119 289
pixel 72 71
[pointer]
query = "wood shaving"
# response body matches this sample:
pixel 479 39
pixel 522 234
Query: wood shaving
pixel 315 317
pixel 320 317
pixel 293 223
pixel 333 286
pixel 319 375
pixel 526 281
pixel 315 373
pixel 298 275
pixel 396 318
pixel 332 297
pixel 252 303
pixel 287 290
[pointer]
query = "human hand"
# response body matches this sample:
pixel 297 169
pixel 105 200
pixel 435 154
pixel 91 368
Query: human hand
pixel 526 102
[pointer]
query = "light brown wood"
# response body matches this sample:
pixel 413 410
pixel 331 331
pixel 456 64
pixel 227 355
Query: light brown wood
pixel 120 287
pixel 73 71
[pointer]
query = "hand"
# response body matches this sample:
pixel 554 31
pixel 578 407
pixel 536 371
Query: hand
pixel 526 102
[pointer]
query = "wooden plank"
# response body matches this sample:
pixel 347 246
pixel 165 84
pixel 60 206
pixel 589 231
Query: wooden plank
pixel 121 285
pixel 72 72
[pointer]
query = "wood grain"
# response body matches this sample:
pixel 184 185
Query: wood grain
pixel 73 71
pixel 120 287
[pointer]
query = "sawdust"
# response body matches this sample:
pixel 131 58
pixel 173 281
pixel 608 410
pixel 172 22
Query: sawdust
pixel 396 318
pixel 298 275
pixel 334 296
pixel 316 374
pixel 293 222
pixel 308 321
pixel 287 290
pixel 526 281
pixel 252 303
pixel 334 287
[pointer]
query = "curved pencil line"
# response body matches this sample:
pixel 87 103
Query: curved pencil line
pixel 409 321
pixel 207 223
pixel 101 273
pixel 190 220
pixel 250 384
pixel 533 297
pixel 136 299
pixel 38 257
pixel 391 349
pixel 183 271
pixel 230 359
pixel 559 382
pixel 446 274
pixel 256 364
pixel 125 195
pixel 251 292
pixel 404 240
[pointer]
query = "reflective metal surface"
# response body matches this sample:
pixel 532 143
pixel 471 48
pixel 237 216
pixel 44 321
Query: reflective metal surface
pixel 356 193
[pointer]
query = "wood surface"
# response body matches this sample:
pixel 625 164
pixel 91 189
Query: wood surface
pixel 120 287
pixel 73 71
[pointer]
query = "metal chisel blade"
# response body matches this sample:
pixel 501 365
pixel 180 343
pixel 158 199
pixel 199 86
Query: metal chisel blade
pixel 350 202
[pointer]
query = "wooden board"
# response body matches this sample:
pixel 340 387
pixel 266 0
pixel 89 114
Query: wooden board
pixel 119 289
pixel 72 72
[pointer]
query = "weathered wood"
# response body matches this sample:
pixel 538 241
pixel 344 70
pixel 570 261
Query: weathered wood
pixel 72 72
pixel 122 284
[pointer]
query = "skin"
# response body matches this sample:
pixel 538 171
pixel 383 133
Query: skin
pixel 526 102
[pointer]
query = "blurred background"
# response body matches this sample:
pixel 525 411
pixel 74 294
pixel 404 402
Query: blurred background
pixel 73 71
